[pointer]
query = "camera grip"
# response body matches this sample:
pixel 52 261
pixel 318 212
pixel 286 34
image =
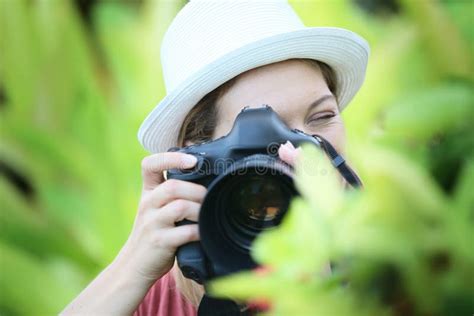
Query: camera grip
pixel 192 259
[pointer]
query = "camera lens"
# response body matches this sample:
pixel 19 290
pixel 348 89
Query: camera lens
pixel 251 196
pixel 252 203
pixel 258 202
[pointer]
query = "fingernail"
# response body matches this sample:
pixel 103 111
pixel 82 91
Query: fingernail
pixel 289 144
pixel 189 161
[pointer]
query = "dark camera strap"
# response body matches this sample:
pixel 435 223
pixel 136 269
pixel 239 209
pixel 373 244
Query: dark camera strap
pixel 339 163
pixel 211 306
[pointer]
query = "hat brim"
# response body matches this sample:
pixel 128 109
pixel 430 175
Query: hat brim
pixel 344 51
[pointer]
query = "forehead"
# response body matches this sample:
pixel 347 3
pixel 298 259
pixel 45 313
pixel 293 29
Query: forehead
pixel 288 87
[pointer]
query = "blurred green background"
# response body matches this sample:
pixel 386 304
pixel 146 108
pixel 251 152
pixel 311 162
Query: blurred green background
pixel 77 78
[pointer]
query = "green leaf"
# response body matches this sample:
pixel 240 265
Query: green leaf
pixel 319 183
pixel 424 114
pixel 27 287
pixel 298 246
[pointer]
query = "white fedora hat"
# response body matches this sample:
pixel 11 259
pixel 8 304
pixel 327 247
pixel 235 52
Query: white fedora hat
pixel 211 41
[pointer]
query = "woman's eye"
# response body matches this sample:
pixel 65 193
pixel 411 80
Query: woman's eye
pixel 321 117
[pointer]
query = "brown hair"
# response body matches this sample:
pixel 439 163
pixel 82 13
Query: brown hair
pixel 198 126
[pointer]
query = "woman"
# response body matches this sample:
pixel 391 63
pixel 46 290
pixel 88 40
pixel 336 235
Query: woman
pixel 219 56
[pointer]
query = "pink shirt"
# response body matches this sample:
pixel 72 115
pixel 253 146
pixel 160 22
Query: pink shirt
pixel 165 299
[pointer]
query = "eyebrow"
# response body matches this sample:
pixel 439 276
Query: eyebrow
pixel 319 101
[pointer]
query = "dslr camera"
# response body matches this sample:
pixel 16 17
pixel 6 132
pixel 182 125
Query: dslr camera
pixel 249 191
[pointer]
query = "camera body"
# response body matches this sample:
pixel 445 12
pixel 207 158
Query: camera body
pixel 229 167
pixel 255 131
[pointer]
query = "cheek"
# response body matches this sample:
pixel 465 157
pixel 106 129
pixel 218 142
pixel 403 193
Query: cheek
pixel 222 128
pixel 224 123
pixel 335 133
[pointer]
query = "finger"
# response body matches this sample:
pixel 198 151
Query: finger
pixel 288 153
pixel 154 165
pixel 178 210
pixel 173 189
pixel 180 235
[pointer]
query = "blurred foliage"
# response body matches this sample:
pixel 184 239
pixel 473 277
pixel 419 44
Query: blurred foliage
pixel 74 89
pixel 73 96
pixel 404 244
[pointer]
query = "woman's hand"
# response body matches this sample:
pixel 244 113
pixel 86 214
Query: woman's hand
pixel 150 250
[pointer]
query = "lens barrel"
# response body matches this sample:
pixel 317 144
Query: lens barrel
pixel 251 196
